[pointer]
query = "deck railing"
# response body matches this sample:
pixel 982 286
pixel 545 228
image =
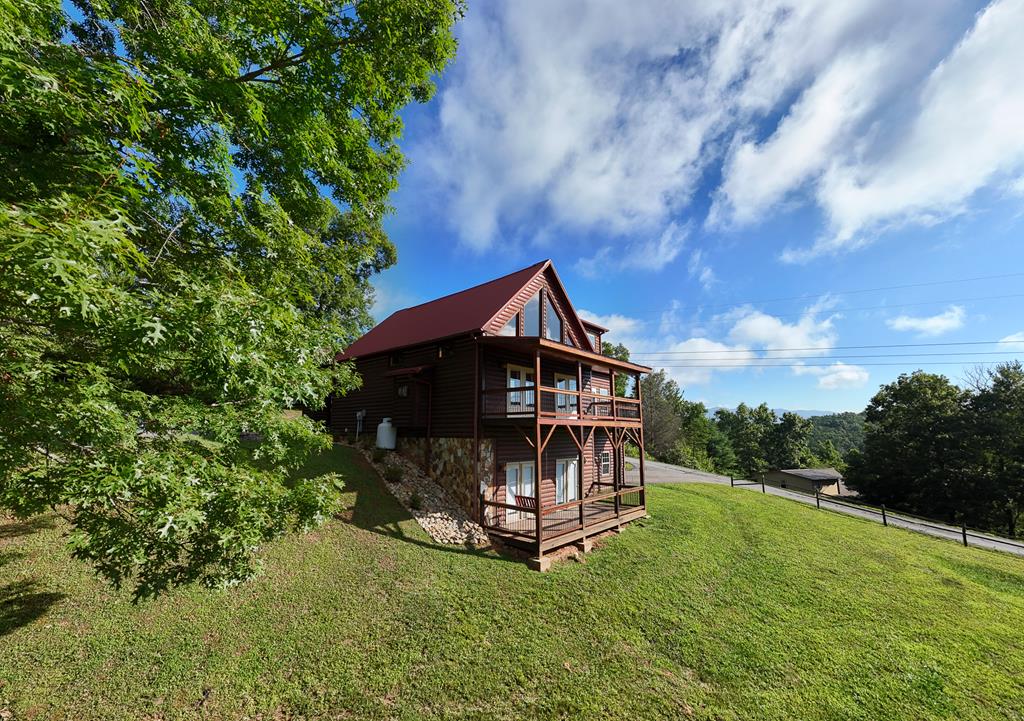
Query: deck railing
pixel 557 403
pixel 561 518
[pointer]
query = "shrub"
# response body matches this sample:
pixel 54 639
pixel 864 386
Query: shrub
pixel 393 473
pixel 379 454
pixel 415 502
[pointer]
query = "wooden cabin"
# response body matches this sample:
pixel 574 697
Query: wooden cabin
pixel 502 394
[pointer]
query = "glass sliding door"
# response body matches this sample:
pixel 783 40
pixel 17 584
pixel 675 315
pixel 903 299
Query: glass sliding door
pixel 519 481
pixel 567 480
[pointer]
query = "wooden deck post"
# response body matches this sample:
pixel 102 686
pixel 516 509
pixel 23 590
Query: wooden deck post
pixel 612 394
pixel 477 400
pixel 538 472
pixel 579 414
pixel 640 406
pixel 619 450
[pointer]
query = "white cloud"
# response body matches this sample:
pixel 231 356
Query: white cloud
pixel 620 327
pixel 694 355
pixel 836 376
pixel 700 270
pixel 965 135
pixel 743 339
pixel 757 176
pixel 603 117
pixel 1015 341
pixel 652 254
pixel 811 335
pixel 950 319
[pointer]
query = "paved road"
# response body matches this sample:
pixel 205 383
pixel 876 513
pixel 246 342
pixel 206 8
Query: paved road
pixel 655 472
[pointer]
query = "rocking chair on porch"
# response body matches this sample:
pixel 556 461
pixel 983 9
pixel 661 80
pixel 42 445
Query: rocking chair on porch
pixel 527 502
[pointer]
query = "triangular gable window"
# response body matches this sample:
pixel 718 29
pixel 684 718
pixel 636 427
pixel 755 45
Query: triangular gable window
pixel 554 322
pixel 531 316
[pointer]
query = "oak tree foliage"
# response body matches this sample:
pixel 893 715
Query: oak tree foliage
pixel 190 213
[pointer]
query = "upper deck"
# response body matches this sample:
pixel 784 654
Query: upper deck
pixel 537 381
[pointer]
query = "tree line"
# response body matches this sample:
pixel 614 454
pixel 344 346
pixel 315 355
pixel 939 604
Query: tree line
pixel 744 442
pixel 922 445
pixel 942 451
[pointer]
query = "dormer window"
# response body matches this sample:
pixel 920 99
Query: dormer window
pixel 554 322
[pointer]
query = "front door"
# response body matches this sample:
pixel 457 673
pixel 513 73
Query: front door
pixel 521 402
pixel 567 480
pixel 519 481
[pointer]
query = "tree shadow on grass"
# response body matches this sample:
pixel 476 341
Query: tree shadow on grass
pixel 25 600
pixel 22 602
pixel 14 529
pixel 377 511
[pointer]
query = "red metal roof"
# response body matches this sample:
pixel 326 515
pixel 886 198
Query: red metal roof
pixel 463 312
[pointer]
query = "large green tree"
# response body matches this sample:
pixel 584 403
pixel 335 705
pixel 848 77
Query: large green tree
pixel 914 446
pixel 750 432
pixel 995 481
pixel 663 415
pixel 190 211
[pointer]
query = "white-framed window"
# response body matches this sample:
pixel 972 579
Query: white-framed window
pixel 606 463
pixel 520 480
pixel 565 403
pixel 520 377
pixel 567 478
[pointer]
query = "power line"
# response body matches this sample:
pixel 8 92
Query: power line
pixel 740 364
pixel 869 355
pixel 820 349
pixel 855 291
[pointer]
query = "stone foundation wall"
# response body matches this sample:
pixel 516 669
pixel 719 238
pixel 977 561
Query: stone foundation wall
pixel 451 465
pixel 415 449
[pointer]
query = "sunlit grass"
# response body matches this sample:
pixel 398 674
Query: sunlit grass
pixel 723 605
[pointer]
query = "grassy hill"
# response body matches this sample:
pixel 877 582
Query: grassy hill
pixel 723 605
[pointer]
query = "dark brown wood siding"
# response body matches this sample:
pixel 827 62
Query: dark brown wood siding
pixel 451 391
pixel 510 446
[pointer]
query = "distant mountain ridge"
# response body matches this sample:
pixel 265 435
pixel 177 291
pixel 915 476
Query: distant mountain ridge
pixel 780 411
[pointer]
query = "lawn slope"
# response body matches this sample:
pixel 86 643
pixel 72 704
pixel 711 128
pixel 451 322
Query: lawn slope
pixel 723 605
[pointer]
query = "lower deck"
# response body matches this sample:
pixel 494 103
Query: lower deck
pixel 585 486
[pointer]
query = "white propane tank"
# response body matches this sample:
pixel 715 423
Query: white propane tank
pixel 386 435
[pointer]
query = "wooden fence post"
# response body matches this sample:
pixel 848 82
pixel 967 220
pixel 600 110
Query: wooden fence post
pixel 732 482
pixel 885 521
pixel 817 498
pixel 762 484
pixel 963 530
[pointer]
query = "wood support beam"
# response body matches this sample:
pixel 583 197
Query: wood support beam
pixel 576 441
pixel 526 436
pixel 551 432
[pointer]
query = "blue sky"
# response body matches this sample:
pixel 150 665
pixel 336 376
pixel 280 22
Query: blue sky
pixel 724 184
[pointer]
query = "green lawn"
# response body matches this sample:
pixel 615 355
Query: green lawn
pixel 724 604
